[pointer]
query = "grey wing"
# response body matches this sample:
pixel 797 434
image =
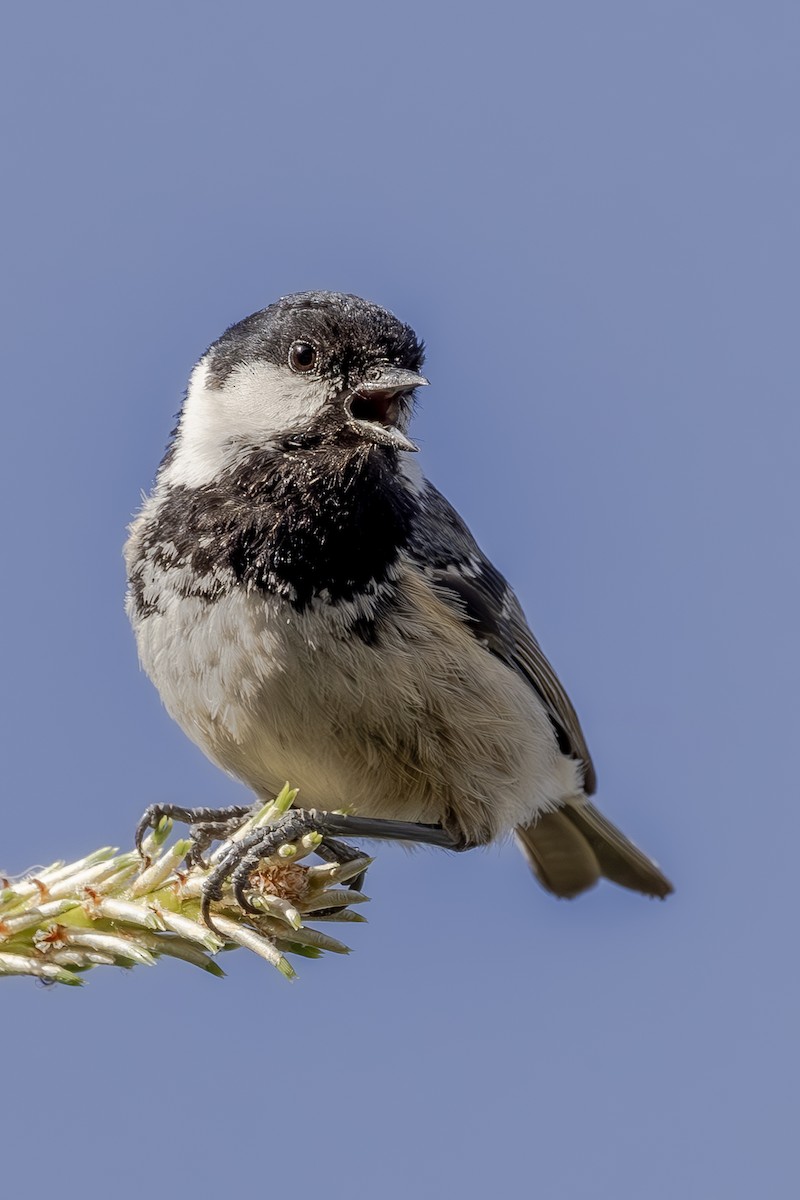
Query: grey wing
pixel 445 549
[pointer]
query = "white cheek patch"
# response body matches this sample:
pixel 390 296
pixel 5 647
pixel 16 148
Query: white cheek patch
pixel 260 398
pixel 218 425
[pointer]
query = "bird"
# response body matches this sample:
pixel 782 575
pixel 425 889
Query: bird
pixel 311 608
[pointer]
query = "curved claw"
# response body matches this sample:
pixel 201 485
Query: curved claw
pixel 212 888
pixel 239 886
pixel 261 844
pixel 205 913
pixel 149 820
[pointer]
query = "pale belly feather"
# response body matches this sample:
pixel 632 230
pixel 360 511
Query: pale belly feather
pixel 427 726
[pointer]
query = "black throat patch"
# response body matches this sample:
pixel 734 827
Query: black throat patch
pixel 298 522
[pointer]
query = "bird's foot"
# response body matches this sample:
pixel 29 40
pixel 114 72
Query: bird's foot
pixel 206 825
pixel 241 858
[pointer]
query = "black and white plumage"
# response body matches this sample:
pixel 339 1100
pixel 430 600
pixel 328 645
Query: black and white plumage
pixel 311 609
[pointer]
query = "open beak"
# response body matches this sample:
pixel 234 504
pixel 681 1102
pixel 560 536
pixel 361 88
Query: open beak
pixel 376 405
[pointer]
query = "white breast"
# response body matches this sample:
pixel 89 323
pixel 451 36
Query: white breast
pixel 426 725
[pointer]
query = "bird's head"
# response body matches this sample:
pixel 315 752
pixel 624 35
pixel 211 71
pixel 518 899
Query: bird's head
pixel 313 369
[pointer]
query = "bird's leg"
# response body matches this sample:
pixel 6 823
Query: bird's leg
pixel 242 858
pixel 349 825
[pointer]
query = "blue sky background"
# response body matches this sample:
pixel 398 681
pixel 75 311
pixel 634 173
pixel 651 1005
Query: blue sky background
pixel 590 213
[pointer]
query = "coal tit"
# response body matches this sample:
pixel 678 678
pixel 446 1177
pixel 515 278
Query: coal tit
pixel 311 609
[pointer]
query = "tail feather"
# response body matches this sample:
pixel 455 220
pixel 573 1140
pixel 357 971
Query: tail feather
pixel 559 856
pixel 569 850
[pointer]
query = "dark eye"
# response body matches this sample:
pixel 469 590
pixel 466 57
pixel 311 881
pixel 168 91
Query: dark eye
pixel 302 356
